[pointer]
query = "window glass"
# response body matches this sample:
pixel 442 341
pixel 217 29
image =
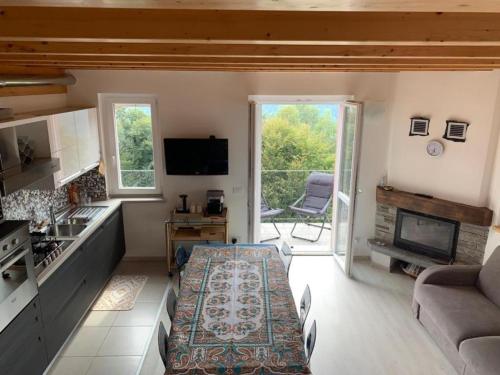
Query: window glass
pixel 134 143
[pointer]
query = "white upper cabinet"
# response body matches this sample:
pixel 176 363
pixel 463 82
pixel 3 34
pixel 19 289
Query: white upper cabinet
pixel 87 133
pixel 74 139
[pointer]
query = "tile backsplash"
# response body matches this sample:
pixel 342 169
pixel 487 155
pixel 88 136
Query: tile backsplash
pixel 34 204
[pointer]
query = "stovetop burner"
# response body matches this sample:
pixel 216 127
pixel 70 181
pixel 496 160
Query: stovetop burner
pixel 45 251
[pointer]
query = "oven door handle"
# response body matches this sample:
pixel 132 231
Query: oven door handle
pixel 14 259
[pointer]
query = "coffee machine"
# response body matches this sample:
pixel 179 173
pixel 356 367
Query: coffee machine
pixel 215 202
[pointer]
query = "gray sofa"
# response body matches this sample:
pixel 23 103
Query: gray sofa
pixel 460 307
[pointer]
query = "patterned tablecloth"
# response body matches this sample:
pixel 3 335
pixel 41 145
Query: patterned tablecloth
pixel 236 315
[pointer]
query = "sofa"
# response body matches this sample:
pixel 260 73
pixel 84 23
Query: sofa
pixel 460 308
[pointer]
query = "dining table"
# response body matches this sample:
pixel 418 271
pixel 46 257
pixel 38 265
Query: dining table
pixel 235 314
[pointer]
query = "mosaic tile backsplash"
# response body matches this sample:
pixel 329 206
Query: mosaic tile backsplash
pixel 34 204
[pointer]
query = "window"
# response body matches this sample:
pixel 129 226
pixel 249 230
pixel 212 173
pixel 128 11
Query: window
pixel 133 162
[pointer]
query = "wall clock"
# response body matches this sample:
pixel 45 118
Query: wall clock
pixel 435 148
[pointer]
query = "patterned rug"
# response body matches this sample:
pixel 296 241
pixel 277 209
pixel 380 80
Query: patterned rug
pixel 120 293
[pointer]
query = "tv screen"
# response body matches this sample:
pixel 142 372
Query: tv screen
pixel 190 156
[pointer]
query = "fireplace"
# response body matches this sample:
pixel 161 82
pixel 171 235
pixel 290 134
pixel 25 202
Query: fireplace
pixel 429 235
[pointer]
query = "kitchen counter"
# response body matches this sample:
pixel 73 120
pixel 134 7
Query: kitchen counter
pixel 111 206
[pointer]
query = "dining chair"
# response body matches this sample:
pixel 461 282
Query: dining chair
pixel 163 343
pixel 305 306
pixel 286 256
pixel 310 342
pixel 171 304
pixel 181 259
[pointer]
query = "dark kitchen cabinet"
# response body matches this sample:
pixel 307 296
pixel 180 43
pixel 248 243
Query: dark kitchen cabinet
pixel 22 346
pixel 64 297
pixel 67 294
pixel 105 249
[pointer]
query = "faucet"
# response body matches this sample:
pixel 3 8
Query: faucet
pixel 52 215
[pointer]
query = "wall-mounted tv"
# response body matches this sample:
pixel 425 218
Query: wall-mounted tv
pixel 195 156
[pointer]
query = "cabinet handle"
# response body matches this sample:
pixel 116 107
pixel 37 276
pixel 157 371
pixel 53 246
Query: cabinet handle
pixel 36 318
pixel 39 339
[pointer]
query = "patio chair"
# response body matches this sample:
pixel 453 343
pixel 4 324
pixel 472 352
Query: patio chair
pixel 314 203
pixel 267 212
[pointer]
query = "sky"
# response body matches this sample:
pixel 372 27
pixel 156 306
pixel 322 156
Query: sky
pixel 271 109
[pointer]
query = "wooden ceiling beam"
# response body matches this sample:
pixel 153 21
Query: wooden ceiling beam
pixel 296 5
pixel 71 59
pixel 241 50
pixel 260 66
pixel 107 24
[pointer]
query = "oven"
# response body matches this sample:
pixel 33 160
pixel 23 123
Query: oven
pixel 18 285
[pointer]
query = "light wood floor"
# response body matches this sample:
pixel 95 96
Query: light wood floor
pixel 365 324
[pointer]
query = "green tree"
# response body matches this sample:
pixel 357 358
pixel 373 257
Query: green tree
pixel 296 140
pixel 135 145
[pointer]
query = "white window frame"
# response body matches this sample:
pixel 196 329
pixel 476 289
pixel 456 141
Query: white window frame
pixel 108 131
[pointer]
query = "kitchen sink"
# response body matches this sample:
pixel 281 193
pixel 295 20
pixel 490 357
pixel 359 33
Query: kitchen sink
pixel 60 231
pixel 74 221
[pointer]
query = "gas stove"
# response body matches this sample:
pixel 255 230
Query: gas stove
pixel 46 251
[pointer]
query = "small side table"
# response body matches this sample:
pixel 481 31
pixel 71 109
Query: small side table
pixel 193 227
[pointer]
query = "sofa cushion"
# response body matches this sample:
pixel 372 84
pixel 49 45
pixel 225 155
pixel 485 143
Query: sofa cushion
pixel 489 278
pixel 459 312
pixel 481 355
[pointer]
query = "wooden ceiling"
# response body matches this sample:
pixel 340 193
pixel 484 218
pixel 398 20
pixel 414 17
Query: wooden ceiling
pixel 244 35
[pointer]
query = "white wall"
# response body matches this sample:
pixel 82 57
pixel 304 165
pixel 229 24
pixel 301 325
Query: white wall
pixel 33 102
pixel 494 188
pixel 462 173
pixel 198 104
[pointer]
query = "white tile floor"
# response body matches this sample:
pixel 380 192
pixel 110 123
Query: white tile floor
pixel 115 342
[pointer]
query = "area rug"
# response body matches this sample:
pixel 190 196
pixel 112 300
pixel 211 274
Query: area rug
pixel 121 293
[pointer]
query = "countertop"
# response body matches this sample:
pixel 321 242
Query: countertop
pixel 112 205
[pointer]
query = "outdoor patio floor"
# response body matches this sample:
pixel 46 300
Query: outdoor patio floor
pixel 298 246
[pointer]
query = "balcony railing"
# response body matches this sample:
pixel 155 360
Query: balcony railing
pixel 137 178
pixel 282 188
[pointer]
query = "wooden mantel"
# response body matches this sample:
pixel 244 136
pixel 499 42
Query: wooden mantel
pixel 463 213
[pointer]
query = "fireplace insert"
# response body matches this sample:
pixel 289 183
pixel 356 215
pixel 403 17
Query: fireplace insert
pixel 428 235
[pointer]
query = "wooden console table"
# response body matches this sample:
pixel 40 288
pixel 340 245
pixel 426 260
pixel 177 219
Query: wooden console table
pixel 196 228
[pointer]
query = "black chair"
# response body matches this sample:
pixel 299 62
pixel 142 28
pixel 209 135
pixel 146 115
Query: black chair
pixel 310 342
pixel 163 343
pixel 171 304
pixel 305 306
pixel 314 203
pixel 267 212
pixel 181 259
pixel 286 257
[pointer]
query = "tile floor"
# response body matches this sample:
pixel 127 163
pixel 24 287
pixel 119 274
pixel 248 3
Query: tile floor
pixel 116 342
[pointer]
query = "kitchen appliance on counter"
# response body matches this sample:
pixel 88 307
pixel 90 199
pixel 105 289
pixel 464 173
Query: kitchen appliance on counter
pixel 18 285
pixel 215 202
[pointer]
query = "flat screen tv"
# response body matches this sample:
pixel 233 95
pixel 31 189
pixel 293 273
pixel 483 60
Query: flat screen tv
pixel 194 156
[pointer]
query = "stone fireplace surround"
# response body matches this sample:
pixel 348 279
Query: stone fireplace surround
pixel 472 237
